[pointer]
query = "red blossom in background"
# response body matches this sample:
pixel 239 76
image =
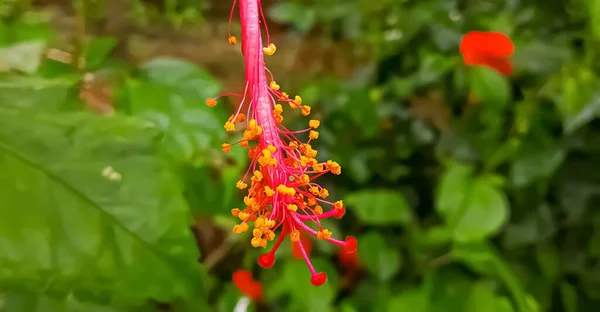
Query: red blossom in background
pixel 491 49
pixel 243 280
pixel 282 192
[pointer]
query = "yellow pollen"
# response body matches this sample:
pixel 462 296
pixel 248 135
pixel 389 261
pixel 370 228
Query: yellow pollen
pixel 210 102
pixel 318 210
pixel 235 212
pixel 229 126
pixel 334 167
pixel 243 215
pixel 313 135
pixel 278 109
pixel 232 40
pixel 324 193
pixel 240 118
pixel 258 242
pixel 324 234
pixel 286 190
pixel 338 205
pixel 305 110
pixel 257 232
pixel 318 168
pixel 295 236
pixel 270 50
pixel 270 235
pixel 244 143
pixel 240 228
pixel 304 180
pixel 313 123
pixel 260 222
pixel 271 149
pixel 269 191
pixel 314 190
pixel 292 207
pixel 311 201
pixel 241 185
pixel 293 145
pixel 274 85
pixel 257 176
pixel 226 147
pixel 270 223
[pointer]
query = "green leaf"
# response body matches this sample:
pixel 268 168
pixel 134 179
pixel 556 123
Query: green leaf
pixel 303 17
pixel 594 11
pixel 569 298
pixel 473 207
pixel 482 298
pixel 538 165
pixel 172 96
pixel 32 303
pixel 482 258
pixel 40 93
pixel 414 300
pixel 24 56
pixel 380 207
pixel 97 51
pixel 185 77
pixel 490 87
pixel 379 259
pixel 92 209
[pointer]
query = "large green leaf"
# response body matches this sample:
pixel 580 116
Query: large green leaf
pixel 473 208
pixel 90 208
pixel 380 207
pixel 26 302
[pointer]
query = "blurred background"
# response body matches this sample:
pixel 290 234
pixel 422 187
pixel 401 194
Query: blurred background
pixel 466 190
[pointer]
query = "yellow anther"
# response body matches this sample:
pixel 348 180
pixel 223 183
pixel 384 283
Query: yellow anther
pixel 298 100
pixel 235 212
pixel 334 167
pixel 324 193
pixel 244 143
pixel 248 201
pixel 304 180
pixel 243 215
pixel 232 40
pixel 240 118
pixel 210 102
pixel 313 123
pixel 295 236
pixel 293 145
pixel 271 149
pixel 229 126
pixel 260 222
pixel 257 233
pixel 274 85
pixel 270 50
pixel 324 234
pixel 258 242
pixel 305 110
pixel 240 228
pixel 338 205
pixel 278 109
pixel 318 210
pixel 270 235
pixel 241 185
pixel 269 191
pixel 257 177
pixel 226 147
pixel 318 168
pixel 314 190
pixel 313 135
pixel 286 190
pixel 311 201
pixel 292 207
pixel 270 223
pixel 284 96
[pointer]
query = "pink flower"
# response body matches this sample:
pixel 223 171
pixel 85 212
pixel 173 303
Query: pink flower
pixel 283 194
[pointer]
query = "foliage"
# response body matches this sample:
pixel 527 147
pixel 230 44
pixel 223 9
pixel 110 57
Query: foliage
pixel 467 191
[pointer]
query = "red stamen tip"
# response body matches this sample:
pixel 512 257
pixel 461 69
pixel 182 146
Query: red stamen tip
pixel 351 244
pixel 266 260
pixel 319 279
pixel 340 213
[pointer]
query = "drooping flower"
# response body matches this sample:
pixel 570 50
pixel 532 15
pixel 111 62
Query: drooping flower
pixel 281 179
pixel 491 49
pixel 243 280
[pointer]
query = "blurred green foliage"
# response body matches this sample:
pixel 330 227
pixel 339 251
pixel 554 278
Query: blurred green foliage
pixel 467 191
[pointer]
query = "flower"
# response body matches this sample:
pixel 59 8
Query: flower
pixel 491 49
pixel 281 179
pixel 243 280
